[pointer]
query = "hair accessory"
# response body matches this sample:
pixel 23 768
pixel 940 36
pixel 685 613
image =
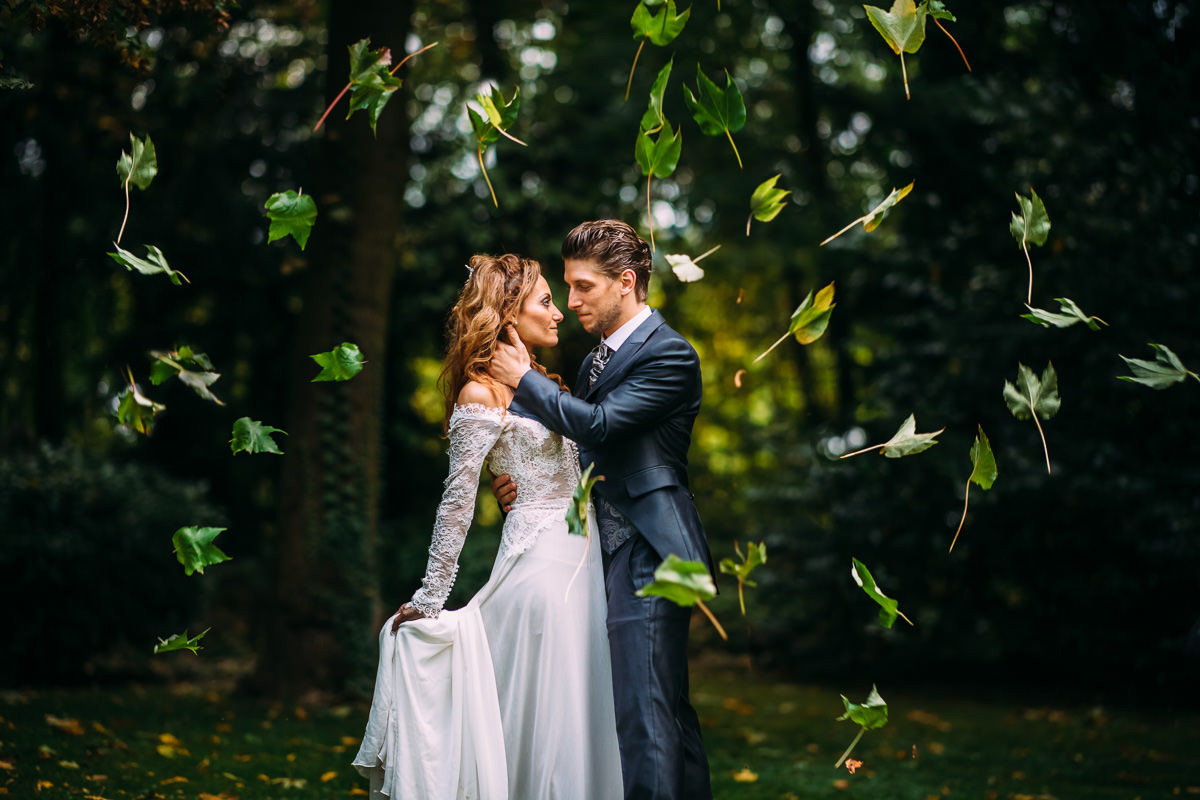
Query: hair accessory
pixel 470 271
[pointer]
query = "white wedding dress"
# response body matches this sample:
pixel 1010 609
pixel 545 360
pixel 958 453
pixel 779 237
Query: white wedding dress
pixel 509 697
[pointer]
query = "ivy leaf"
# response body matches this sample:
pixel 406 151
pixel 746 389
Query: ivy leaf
pixel 1032 225
pixel 1070 315
pixel 684 583
pixel 493 119
pixel 1164 370
pixel 809 320
pixel 903 28
pixel 904 442
pixel 766 202
pixel 140 165
pixel 685 267
pixel 983 472
pixel 889 609
pixel 339 364
pixel 1034 398
pixel 291 214
pixel 177 363
pixel 371 82
pixel 658 159
pixel 154 263
pixel 756 555
pixel 180 641
pixel 194 548
pixel 251 436
pixel 654 118
pixel 135 410
pixel 660 29
pixel 870 715
pixel 717 111
pixel 872 219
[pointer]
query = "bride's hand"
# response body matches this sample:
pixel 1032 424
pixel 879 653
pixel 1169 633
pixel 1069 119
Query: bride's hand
pixel 510 361
pixel 405 613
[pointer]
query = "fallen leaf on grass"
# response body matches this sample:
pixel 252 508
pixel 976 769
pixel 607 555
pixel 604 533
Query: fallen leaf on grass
pixel 326 777
pixel 745 776
pixel 852 765
pixel 65 725
pixel 358 791
pixel 8 765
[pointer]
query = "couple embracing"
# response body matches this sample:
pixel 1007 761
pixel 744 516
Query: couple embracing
pixel 540 688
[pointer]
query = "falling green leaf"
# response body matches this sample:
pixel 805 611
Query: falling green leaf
pixel 180 641
pixel 766 202
pixel 654 118
pixel 717 111
pixel 809 320
pixel 875 216
pixel 1070 315
pixel 1034 398
pixel 1164 370
pixel 577 512
pixel 685 583
pixel 1032 225
pixel 140 165
pixel 371 82
pixel 291 214
pixel 155 263
pixel 195 549
pixel 660 29
pixel 903 28
pixel 889 609
pixel 178 363
pixel 658 159
pixel 871 715
pixel 905 442
pixel 251 436
pixel 135 410
pixel 339 364
pixel 756 555
pixel 685 267
pixel 493 119
pixel 983 472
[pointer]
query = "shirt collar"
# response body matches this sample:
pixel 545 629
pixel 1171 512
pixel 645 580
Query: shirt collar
pixel 625 331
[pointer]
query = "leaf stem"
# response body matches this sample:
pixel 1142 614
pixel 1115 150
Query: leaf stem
pixel 865 450
pixel 414 54
pixel 778 342
pixel 1028 261
pixel 843 230
pixel 336 100
pixel 713 620
pixel 649 214
pixel 904 72
pixel 629 83
pixel 741 596
pixel 121 232
pixel 966 501
pixel 937 22
pixel 479 152
pixel 583 559
pixel 850 749
pixel 729 136
pixel 706 254
pixel 1041 433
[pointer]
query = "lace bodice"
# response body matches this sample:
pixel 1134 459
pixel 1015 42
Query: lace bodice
pixel 543 465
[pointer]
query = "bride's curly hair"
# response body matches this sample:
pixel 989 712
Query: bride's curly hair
pixel 493 295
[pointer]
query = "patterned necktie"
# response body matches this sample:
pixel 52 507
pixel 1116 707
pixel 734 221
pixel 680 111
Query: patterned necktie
pixel 600 357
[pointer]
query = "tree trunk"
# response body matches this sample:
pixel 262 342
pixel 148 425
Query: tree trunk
pixel 326 597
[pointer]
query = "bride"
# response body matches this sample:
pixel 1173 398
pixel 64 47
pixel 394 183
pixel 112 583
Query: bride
pixel 509 697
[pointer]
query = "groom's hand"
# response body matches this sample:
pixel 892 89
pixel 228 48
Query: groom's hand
pixel 510 361
pixel 505 491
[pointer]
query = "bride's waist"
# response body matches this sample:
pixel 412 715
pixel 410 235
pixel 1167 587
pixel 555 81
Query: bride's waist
pixel 541 503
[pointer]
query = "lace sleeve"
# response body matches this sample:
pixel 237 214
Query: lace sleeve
pixel 473 431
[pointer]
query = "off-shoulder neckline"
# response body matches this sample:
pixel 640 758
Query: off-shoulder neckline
pixel 479 408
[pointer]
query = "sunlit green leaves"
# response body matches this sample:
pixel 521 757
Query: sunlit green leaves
pixel 809 320
pixel 1031 226
pixel 685 583
pixel 492 120
pixel 1166 369
pixel 577 511
pixel 658 158
pixel 1035 398
pixel 180 641
pixel 155 263
pixel 766 202
pixel 339 364
pixel 291 214
pixel 195 370
pixel 251 436
pixel 135 410
pixel 717 111
pixel 902 27
pixel 139 166
pixel 756 556
pixel 654 118
pixel 869 715
pixel 659 28
pixel 685 267
pixel 889 608
pixel 904 442
pixel 871 220
pixel 195 550
pixel 983 472
pixel 1069 314
pixel 371 82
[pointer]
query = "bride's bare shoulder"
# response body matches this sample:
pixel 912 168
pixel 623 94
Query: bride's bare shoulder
pixel 476 393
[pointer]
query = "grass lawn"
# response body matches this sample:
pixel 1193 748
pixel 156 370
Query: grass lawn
pixel 765 739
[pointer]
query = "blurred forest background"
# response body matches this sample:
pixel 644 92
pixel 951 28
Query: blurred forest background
pixel 1084 577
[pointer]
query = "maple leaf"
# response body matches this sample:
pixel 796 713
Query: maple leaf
pixel 766 202
pixel 657 158
pixel 291 214
pixel 339 364
pixel 195 550
pixel 660 29
pixel 870 715
pixel 872 219
pixel 1032 225
pixel 889 609
pixel 154 263
pixel 654 117
pixel 251 436
pixel 717 111
pixel 1033 398
pixel 756 555
pixel 983 472
pixel 685 267
pixel 904 442
pixel 136 168
pixel 1069 315
pixel 177 362
pixel 495 117
pixel 809 320
pixel 371 83
pixel 180 641
pixel 684 583
pixel 902 27
pixel 135 410
pixel 1166 369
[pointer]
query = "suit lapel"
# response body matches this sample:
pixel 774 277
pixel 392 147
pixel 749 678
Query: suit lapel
pixel 621 359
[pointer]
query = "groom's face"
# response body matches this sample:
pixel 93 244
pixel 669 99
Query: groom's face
pixel 594 297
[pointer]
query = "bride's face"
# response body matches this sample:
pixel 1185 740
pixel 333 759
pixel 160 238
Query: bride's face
pixel 537 321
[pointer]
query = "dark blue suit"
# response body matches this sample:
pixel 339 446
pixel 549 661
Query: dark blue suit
pixel 635 424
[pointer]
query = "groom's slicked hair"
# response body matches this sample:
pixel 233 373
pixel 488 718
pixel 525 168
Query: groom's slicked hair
pixel 614 247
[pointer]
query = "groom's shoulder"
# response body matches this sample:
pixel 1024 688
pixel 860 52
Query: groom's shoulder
pixel 667 337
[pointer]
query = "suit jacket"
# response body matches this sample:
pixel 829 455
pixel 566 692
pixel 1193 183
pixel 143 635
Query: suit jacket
pixel 635 424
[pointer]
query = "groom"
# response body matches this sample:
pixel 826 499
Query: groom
pixel 631 414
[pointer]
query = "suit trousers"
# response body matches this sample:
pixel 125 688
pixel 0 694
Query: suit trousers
pixel 662 754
